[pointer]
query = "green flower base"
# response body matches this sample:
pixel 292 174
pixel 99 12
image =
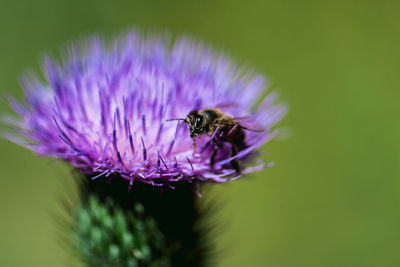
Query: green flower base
pixel 108 236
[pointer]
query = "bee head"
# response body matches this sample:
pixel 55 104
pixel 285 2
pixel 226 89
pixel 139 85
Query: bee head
pixel 196 123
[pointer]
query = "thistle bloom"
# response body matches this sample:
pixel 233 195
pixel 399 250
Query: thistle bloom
pixel 104 110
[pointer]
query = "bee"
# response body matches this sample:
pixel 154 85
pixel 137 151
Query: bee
pixel 221 128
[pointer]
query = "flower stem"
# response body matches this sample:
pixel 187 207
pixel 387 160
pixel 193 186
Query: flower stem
pixel 165 225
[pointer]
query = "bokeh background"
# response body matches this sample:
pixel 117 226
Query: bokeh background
pixel 332 199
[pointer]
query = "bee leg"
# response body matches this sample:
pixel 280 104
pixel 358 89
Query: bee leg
pixel 194 146
pixel 212 160
pixel 235 163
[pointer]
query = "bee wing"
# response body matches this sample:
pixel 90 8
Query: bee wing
pixel 250 124
pixel 246 123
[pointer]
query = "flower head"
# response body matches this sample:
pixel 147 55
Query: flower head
pixel 105 110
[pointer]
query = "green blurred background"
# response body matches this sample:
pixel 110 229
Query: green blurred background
pixel 332 199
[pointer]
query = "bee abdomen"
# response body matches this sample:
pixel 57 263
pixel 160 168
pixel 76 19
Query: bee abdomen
pixel 235 137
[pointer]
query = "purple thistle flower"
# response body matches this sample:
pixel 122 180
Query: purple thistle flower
pixel 105 110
